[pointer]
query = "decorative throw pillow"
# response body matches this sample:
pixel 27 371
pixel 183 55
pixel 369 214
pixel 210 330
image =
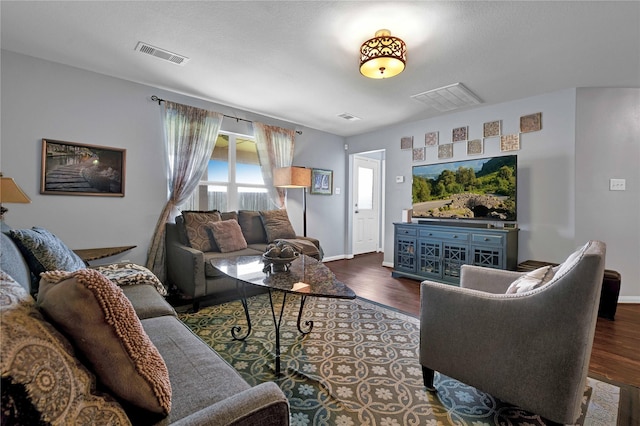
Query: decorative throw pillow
pixel 131 274
pixel 571 260
pixel 228 236
pixel 276 224
pixel 531 280
pixel 102 323
pixel 251 225
pixel 197 225
pixel 36 357
pixel 44 251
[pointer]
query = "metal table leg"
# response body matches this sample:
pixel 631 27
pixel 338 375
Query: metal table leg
pixel 307 323
pixel 236 328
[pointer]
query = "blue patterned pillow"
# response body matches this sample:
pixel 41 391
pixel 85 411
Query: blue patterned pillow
pixel 44 251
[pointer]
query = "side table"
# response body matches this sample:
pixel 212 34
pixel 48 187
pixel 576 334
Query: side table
pixel 100 253
pixel 610 287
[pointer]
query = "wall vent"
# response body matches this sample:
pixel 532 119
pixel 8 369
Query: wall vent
pixel 349 117
pixel 161 53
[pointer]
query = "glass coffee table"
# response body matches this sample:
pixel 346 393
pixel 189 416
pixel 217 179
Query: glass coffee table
pixel 305 277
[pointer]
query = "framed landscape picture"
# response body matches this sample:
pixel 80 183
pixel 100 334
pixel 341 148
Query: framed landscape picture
pixel 321 182
pixel 70 168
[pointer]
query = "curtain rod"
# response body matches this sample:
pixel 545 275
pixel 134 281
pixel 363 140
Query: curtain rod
pixel 160 100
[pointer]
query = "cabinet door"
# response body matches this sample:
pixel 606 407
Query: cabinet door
pixel 405 254
pixel 430 258
pixel 453 257
pixel 490 257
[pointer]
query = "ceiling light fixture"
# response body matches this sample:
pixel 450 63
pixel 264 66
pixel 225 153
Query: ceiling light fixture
pixel 383 56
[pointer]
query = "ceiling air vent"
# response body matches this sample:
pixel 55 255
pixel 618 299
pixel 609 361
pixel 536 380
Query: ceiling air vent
pixel 448 98
pixel 349 117
pixel 161 53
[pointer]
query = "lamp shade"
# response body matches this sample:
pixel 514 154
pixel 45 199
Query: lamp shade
pixel 10 192
pixel 383 56
pixel 292 177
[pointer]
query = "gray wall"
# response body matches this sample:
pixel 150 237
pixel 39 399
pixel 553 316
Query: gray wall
pixel 42 99
pixel 608 146
pixel 552 188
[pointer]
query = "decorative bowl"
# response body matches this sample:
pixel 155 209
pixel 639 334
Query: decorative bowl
pixel 278 264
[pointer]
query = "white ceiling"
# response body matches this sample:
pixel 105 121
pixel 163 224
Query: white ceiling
pixel 298 60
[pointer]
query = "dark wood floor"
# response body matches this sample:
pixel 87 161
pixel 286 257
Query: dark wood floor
pixel 616 347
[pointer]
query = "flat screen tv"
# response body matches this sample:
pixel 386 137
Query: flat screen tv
pixel 477 189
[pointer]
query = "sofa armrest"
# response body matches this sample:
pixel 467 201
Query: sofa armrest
pixel 185 265
pixel 264 404
pixel 489 280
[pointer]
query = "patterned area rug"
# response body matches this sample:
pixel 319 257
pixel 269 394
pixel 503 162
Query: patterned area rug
pixel 359 366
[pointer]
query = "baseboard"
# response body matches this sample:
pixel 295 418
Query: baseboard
pixel 387 264
pixel 339 257
pixel 629 299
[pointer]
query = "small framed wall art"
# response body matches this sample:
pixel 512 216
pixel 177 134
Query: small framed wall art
pixel 445 151
pixel 431 139
pixel 321 182
pixel 491 129
pixel 510 142
pixel 419 154
pixel 474 147
pixel 460 134
pixel 70 168
pixel 406 142
pixel 531 123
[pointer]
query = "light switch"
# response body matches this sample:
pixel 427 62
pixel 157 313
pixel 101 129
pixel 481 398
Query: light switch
pixel 617 184
pixel 399 179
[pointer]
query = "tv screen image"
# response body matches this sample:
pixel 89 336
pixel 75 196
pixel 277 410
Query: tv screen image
pixel 481 189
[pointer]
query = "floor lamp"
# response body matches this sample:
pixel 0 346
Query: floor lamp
pixel 295 177
pixel 10 192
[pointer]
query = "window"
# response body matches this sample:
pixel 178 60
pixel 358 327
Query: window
pixel 233 180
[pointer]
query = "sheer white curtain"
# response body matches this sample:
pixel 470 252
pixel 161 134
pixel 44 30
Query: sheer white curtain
pixel 190 135
pixel 275 149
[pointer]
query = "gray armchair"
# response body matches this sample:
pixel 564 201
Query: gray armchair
pixel 530 349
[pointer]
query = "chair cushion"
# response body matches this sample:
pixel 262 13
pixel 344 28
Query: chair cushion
pixel 198 225
pixel 102 323
pixel 276 224
pixel 38 358
pixel 531 280
pixel 228 236
pixel 44 251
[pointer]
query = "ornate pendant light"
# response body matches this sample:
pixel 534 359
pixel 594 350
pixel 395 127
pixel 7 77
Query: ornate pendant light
pixel 382 56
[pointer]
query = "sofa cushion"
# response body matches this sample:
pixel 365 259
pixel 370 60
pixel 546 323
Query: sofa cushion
pixel 251 225
pixel 211 272
pixel 102 323
pixel 571 261
pixel 228 236
pixel 146 301
pixel 123 274
pixel 276 224
pixel 44 251
pixel 197 225
pixel 531 280
pixel 199 376
pixel 34 354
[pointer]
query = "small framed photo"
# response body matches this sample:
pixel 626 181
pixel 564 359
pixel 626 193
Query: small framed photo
pixel 510 142
pixel 445 151
pixel 431 139
pixel 474 147
pixel 70 168
pixel 418 154
pixel 459 134
pixel 531 123
pixel 406 142
pixel 321 182
pixel 492 128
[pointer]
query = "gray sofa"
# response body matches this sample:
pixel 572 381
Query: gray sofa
pixel 206 390
pixel 188 267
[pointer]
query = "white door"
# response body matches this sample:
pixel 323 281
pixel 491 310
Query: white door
pixel 366 198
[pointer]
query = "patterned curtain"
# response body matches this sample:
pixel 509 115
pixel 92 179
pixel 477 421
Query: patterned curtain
pixel 275 149
pixel 190 135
